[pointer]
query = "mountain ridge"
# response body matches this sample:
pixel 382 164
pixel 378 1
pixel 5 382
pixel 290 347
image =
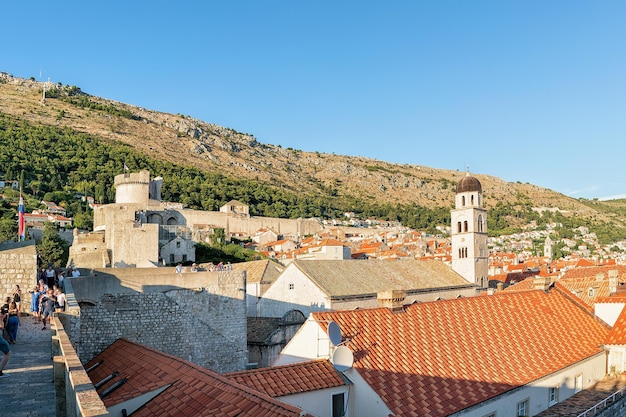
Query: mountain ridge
pixel 181 139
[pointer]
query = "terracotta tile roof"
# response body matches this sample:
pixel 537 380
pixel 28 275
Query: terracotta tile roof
pixel 350 277
pixel 194 391
pixel 284 380
pixel 438 358
pixel 525 285
pixel 617 336
pixel 593 271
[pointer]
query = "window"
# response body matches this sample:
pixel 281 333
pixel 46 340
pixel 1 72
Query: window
pixel 459 227
pixel 291 286
pixel 553 396
pixel 465 226
pixel 522 409
pixel 178 244
pixel 480 223
pixel 172 258
pixel 578 383
pixel 490 415
pixel 338 405
pixel 463 201
pixel 591 292
pixel 472 200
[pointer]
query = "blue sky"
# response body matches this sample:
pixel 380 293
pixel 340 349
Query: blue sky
pixel 529 91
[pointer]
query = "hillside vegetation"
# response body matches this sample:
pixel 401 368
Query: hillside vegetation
pixel 76 143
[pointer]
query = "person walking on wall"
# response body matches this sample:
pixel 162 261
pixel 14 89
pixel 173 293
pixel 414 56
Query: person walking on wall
pixel 34 303
pixel 60 303
pixel 4 348
pixel 47 306
pixel 13 323
pixel 17 296
pixel 51 276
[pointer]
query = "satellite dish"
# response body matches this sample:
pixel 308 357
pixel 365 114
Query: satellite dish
pixel 334 333
pixel 343 359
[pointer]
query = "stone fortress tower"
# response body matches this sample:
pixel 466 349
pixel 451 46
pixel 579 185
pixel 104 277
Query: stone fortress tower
pixel 140 230
pixel 470 257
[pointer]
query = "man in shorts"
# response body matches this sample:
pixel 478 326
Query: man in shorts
pixel 4 348
pixel 47 304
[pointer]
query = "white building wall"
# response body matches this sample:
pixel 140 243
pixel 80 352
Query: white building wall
pixel 319 402
pixel 292 291
pixel 309 342
pixel 588 372
pixel 609 312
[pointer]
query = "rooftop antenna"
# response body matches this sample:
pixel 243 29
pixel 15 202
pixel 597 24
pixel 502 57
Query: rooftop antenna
pixel 343 359
pixel 334 333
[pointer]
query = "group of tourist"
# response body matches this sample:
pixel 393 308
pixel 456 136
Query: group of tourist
pixel 47 297
pixel 9 323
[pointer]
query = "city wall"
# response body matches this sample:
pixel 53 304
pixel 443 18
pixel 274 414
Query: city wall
pixel 18 265
pixel 248 225
pixel 197 316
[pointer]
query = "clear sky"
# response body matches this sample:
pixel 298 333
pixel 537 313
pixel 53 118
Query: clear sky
pixel 529 91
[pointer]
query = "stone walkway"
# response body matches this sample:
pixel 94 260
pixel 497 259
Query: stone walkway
pixel 29 389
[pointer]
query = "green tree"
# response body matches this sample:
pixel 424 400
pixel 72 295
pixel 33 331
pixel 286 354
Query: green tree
pixel 8 229
pixel 53 249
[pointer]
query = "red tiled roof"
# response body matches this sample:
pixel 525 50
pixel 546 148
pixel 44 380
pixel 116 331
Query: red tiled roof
pixel 438 358
pixel 194 391
pixel 592 271
pixel 283 380
pixel 617 336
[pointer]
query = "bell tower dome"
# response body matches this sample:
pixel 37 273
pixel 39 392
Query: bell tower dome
pixel 469 232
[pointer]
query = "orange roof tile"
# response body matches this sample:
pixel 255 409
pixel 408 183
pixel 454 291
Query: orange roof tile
pixel 194 391
pixel 438 358
pixel 617 336
pixel 283 380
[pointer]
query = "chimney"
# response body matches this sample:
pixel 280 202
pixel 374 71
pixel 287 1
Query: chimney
pixel 613 281
pixel 392 299
pixel 542 283
pixel 500 286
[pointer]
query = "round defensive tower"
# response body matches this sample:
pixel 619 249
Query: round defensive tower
pixel 132 187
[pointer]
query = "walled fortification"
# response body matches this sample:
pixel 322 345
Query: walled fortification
pixel 132 187
pixel 18 265
pixel 197 316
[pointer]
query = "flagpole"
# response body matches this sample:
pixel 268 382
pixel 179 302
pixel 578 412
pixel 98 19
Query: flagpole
pixel 21 227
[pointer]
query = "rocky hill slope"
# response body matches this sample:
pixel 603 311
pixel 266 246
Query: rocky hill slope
pixel 181 139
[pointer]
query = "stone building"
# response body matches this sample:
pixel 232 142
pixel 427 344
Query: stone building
pixel 141 230
pixel 197 316
pixel 18 266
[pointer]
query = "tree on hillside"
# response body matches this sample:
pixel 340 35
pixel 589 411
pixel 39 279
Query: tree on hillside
pixel 8 229
pixel 53 249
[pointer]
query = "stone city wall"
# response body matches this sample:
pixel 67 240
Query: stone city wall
pixel 197 316
pixel 18 265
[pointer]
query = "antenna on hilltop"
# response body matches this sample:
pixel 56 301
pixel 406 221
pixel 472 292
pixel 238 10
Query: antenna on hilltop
pixel 43 98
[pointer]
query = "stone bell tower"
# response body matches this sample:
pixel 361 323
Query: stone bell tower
pixel 470 257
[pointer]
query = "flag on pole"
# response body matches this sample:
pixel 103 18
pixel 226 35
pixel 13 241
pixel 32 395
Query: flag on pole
pixel 21 229
pixel 125 167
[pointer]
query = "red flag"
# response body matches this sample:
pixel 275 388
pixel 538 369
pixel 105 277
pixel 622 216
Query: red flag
pixel 21 229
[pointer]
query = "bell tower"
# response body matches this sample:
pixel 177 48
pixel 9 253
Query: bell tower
pixel 470 257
